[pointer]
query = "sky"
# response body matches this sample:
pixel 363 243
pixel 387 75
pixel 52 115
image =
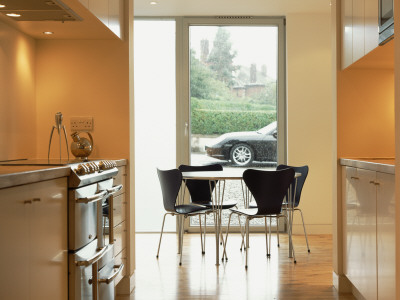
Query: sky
pixel 254 44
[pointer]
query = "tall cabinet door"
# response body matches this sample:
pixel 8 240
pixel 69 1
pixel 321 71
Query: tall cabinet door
pixel 15 209
pixel 386 236
pixel 49 241
pixel 33 231
pixel 367 273
pixel 360 229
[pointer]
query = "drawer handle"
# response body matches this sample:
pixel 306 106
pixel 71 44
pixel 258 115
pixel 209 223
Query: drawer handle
pixel 28 202
pixel 374 182
pixel 113 276
pixel 353 177
pixel 114 189
pixel 93 259
pixel 94 198
pixel 36 200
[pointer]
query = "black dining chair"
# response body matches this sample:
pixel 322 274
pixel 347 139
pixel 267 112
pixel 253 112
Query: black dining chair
pixel 171 181
pixel 201 190
pixel 299 187
pixel 269 189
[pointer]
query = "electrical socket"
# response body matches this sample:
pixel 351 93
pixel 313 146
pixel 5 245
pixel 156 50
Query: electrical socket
pixel 81 123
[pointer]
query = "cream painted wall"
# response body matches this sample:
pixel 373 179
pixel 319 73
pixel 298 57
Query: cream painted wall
pixel 84 78
pixel 366 113
pixel 310 109
pixel 17 94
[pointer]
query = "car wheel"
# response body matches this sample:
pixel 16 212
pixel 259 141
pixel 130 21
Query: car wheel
pixel 242 154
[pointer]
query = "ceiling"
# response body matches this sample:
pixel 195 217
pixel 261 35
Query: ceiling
pixel 229 7
pixel 38 17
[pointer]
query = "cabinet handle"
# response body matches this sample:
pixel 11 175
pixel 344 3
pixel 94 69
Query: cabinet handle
pixel 28 202
pixel 353 177
pixel 374 182
pixel 36 199
pixel 113 276
pixel 124 174
pixel 92 259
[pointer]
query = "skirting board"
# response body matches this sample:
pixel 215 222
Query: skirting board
pixel 126 285
pixel 341 283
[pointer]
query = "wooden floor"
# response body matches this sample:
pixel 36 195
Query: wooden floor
pixel 266 278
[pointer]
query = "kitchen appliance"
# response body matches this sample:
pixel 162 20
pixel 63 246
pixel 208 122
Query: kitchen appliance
pixel 81 147
pixel 58 126
pixel 91 267
pixel 386 21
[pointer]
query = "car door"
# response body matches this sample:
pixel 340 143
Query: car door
pixel 268 150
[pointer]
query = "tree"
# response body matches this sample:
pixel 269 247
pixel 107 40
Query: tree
pixel 221 57
pixel 203 84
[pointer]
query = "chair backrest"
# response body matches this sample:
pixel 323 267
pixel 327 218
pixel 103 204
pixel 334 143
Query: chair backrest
pixel 200 189
pixel 268 188
pixel 170 181
pixel 300 180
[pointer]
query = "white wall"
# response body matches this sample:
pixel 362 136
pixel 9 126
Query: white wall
pixel 311 118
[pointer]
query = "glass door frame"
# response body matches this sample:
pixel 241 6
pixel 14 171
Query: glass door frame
pixel 183 85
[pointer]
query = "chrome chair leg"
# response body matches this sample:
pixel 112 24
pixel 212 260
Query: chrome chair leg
pixel 181 246
pixel 162 229
pixel 247 240
pixel 277 229
pixel 205 232
pixel 270 233
pixel 291 241
pixel 242 232
pixel 266 235
pixel 304 227
pixel 226 238
pixel 201 235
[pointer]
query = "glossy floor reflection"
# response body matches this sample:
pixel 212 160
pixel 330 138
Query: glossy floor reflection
pixel 199 278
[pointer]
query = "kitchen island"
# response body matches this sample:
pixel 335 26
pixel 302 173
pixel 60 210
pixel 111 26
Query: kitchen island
pixel 368 193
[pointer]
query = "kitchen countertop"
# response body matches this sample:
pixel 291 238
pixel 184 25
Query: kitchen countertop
pixel 379 164
pixel 13 175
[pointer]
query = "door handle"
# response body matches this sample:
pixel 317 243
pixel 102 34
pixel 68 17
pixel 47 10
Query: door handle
pixel 186 128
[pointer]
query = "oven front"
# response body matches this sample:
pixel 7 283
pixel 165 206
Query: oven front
pixel 91 269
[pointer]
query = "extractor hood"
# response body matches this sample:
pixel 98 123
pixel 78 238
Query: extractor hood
pixel 38 10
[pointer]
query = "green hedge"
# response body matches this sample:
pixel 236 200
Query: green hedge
pixel 207 121
pixel 233 105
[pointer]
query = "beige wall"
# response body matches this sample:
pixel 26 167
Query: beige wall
pixel 311 117
pixel 366 113
pixel 84 78
pixel 17 94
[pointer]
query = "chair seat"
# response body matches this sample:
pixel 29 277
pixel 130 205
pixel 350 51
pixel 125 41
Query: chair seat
pixel 245 211
pixel 187 209
pixel 225 204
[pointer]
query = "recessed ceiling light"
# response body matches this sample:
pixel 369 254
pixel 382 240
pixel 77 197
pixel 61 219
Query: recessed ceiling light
pixel 13 15
pixel 2 6
pixel 153 2
pixel 48 32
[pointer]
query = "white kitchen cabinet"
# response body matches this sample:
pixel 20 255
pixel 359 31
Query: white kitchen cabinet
pixel 119 216
pixel 360 29
pixel 386 236
pixel 33 231
pixel 368 228
pixel 371 25
pixel 109 12
pixel 347 33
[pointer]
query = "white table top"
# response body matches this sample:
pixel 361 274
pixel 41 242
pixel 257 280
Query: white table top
pixel 232 174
